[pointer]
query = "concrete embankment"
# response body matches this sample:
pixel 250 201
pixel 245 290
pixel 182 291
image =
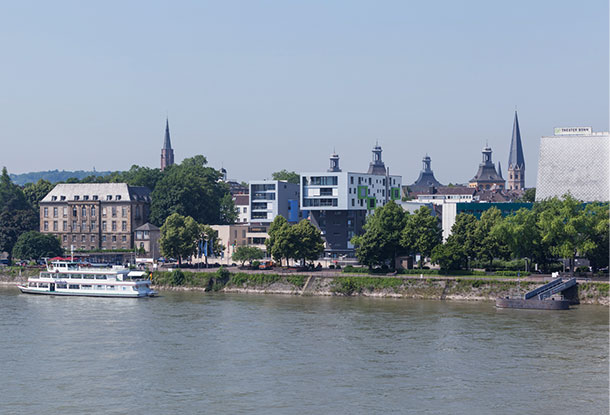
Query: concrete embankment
pixel 439 288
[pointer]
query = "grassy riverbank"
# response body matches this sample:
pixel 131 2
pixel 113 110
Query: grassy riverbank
pixel 480 288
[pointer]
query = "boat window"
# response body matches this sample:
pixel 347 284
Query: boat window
pixel 99 287
pixel 74 286
pixel 62 285
pixel 43 285
pixel 100 277
pixel 110 287
pixel 135 288
pixel 89 277
pixel 86 286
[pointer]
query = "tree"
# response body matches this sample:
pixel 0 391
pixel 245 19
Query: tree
pixel 11 196
pixel 529 195
pixel 14 223
pixel 190 189
pixel 228 212
pixel 209 241
pixel 569 228
pixel 179 235
pixel 598 254
pixel 488 244
pixel 521 234
pixel 450 255
pixel 380 242
pixel 462 233
pixel 305 241
pixel 276 242
pixel 287 176
pixel 35 192
pixel 36 245
pixel 247 253
pixel 421 233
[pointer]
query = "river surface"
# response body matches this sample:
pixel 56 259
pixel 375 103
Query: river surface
pixel 190 352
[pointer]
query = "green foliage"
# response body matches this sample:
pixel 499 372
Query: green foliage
pixel 177 277
pixel 35 245
pixel 302 241
pixel 450 255
pixel 191 189
pixel 53 176
pixel 351 285
pixel 178 236
pixel 247 253
pixel 488 244
pixel 287 176
pixel 34 193
pixel 380 242
pixel 421 234
pixel 296 280
pixel 511 273
pixel 529 195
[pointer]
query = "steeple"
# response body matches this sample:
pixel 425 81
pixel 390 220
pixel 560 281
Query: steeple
pixel 167 153
pixel 516 161
pixel 167 143
pixel 487 177
pixel 334 163
pixel 377 166
pixel 426 177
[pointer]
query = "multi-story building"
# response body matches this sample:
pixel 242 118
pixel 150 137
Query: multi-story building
pixel 575 160
pixel 338 202
pixel 92 216
pixel 242 205
pixel 269 198
pixel 146 237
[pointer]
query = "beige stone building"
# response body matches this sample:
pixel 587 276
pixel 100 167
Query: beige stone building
pixel 147 238
pixel 94 216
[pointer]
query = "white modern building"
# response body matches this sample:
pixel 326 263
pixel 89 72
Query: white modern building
pixel 338 202
pixel 269 198
pixel 574 160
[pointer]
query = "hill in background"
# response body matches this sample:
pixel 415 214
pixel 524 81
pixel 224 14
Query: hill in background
pixel 53 176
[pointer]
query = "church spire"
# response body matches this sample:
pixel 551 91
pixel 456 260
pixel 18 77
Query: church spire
pixel 167 143
pixel 167 153
pixel 516 162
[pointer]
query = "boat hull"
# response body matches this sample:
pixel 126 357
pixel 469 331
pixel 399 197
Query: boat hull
pixel 533 304
pixel 27 290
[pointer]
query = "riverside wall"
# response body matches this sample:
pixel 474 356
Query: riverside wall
pixel 431 287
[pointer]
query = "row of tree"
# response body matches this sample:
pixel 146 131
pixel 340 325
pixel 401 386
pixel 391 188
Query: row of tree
pixel 182 237
pixel 551 230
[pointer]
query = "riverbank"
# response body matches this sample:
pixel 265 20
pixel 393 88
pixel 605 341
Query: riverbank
pixel 403 286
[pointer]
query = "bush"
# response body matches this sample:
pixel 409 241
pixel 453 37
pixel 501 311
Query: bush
pixel 256 264
pixel 350 269
pixel 177 277
pixel 511 273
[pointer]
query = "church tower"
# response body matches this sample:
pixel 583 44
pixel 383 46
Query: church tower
pixel 167 153
pixel 377 166
pixel 516 162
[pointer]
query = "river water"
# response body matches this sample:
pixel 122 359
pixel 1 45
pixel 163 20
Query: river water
pixel 189 352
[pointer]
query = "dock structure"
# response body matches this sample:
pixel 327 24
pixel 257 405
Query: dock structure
pixel 540 298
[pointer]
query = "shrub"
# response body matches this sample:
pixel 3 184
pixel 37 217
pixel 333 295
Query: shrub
pixel 511 273
pixel 177 277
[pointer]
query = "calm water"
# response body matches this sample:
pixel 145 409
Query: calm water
pixel 212 353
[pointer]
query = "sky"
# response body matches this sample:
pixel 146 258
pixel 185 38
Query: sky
pixel 260 86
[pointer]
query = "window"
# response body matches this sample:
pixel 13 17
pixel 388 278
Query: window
pixel 124 238
pixel 55 212
pixel 65 226
pixel 104 225
pixel 114 211
pixel 53 198
pixel 113 238
pixel 83 211
pixel 83 226
pixel 76 197
pixel 104 211
pixel 74 211
pixel 55 225
pixel 83 238
pixel 86 197
pixel 124 211
pixel 65 238
pixel 118 197
pixel 65 212
pixel 92 238
pixel 245 209
pixel 73 238
pixel 94 197
pixel 62 198
pixel 46 225
pixel 114 225
pixel 46 212
pixel 138 212
pixel 326 191
pixel 93 223
pixel 124 226
pixel 73 226
pixel 103 238
pixel 324 180
pixel 92 211
pixel 108 197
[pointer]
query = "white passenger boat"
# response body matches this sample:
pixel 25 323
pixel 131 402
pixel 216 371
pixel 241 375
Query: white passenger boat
pixel 66 277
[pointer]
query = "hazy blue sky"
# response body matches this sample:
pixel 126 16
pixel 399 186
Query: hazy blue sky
pixel 263 85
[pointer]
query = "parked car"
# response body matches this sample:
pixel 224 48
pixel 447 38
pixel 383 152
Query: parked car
pixel 266 265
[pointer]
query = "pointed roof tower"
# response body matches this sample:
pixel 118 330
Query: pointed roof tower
pixel 167 143
pixel 377 166
pixel 515 158
pixel 426 176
